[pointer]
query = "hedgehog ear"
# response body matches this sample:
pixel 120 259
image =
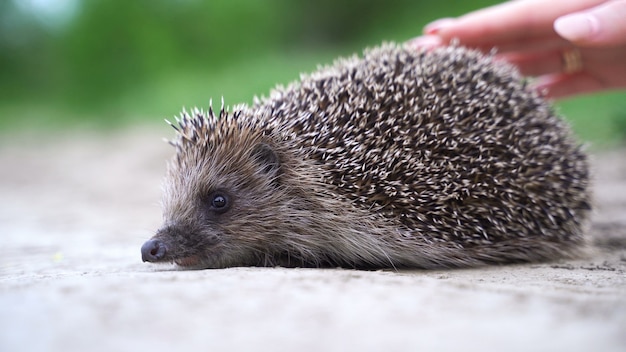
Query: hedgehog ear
pixel 267 158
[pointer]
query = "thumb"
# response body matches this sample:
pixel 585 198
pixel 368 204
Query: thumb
pixel 603 25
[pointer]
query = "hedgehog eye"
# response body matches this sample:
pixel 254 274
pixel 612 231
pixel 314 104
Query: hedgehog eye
pixel 219 202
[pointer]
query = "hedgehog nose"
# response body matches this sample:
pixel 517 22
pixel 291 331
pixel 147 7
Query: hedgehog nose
pixel 153 251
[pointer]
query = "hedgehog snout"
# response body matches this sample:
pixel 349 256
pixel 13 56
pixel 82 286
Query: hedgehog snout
pixel 153 251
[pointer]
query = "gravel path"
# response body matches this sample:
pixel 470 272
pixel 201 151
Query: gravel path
pixel 75 209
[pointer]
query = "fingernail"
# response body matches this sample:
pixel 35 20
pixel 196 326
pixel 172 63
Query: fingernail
pixel 436 26
pixel 577 26
pixel 426 42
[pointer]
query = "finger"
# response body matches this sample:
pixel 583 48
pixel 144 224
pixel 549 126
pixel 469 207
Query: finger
pixel 535 64
pixel 509 22
pixel 600 26
pixel 562 85
pixel 426 42
pixel 433 27
pixel 546 62
pixel 531 45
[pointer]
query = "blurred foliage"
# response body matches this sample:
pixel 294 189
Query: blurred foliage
pixel 108 62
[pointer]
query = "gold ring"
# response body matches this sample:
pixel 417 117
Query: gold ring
pixel 572 61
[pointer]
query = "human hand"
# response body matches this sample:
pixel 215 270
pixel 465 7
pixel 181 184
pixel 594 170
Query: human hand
pixel 572 46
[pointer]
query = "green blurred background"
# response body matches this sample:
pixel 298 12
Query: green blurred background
pixel 109 63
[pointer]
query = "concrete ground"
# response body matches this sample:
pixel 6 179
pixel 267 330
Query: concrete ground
pixel 75 209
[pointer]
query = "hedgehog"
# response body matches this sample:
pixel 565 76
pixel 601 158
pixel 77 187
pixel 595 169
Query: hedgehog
pixel 399 158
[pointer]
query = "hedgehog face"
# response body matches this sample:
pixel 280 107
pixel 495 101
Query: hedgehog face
pixel 218 215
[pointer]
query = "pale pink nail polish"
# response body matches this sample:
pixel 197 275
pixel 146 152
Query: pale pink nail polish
pixel 577 26
pixel 435 26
